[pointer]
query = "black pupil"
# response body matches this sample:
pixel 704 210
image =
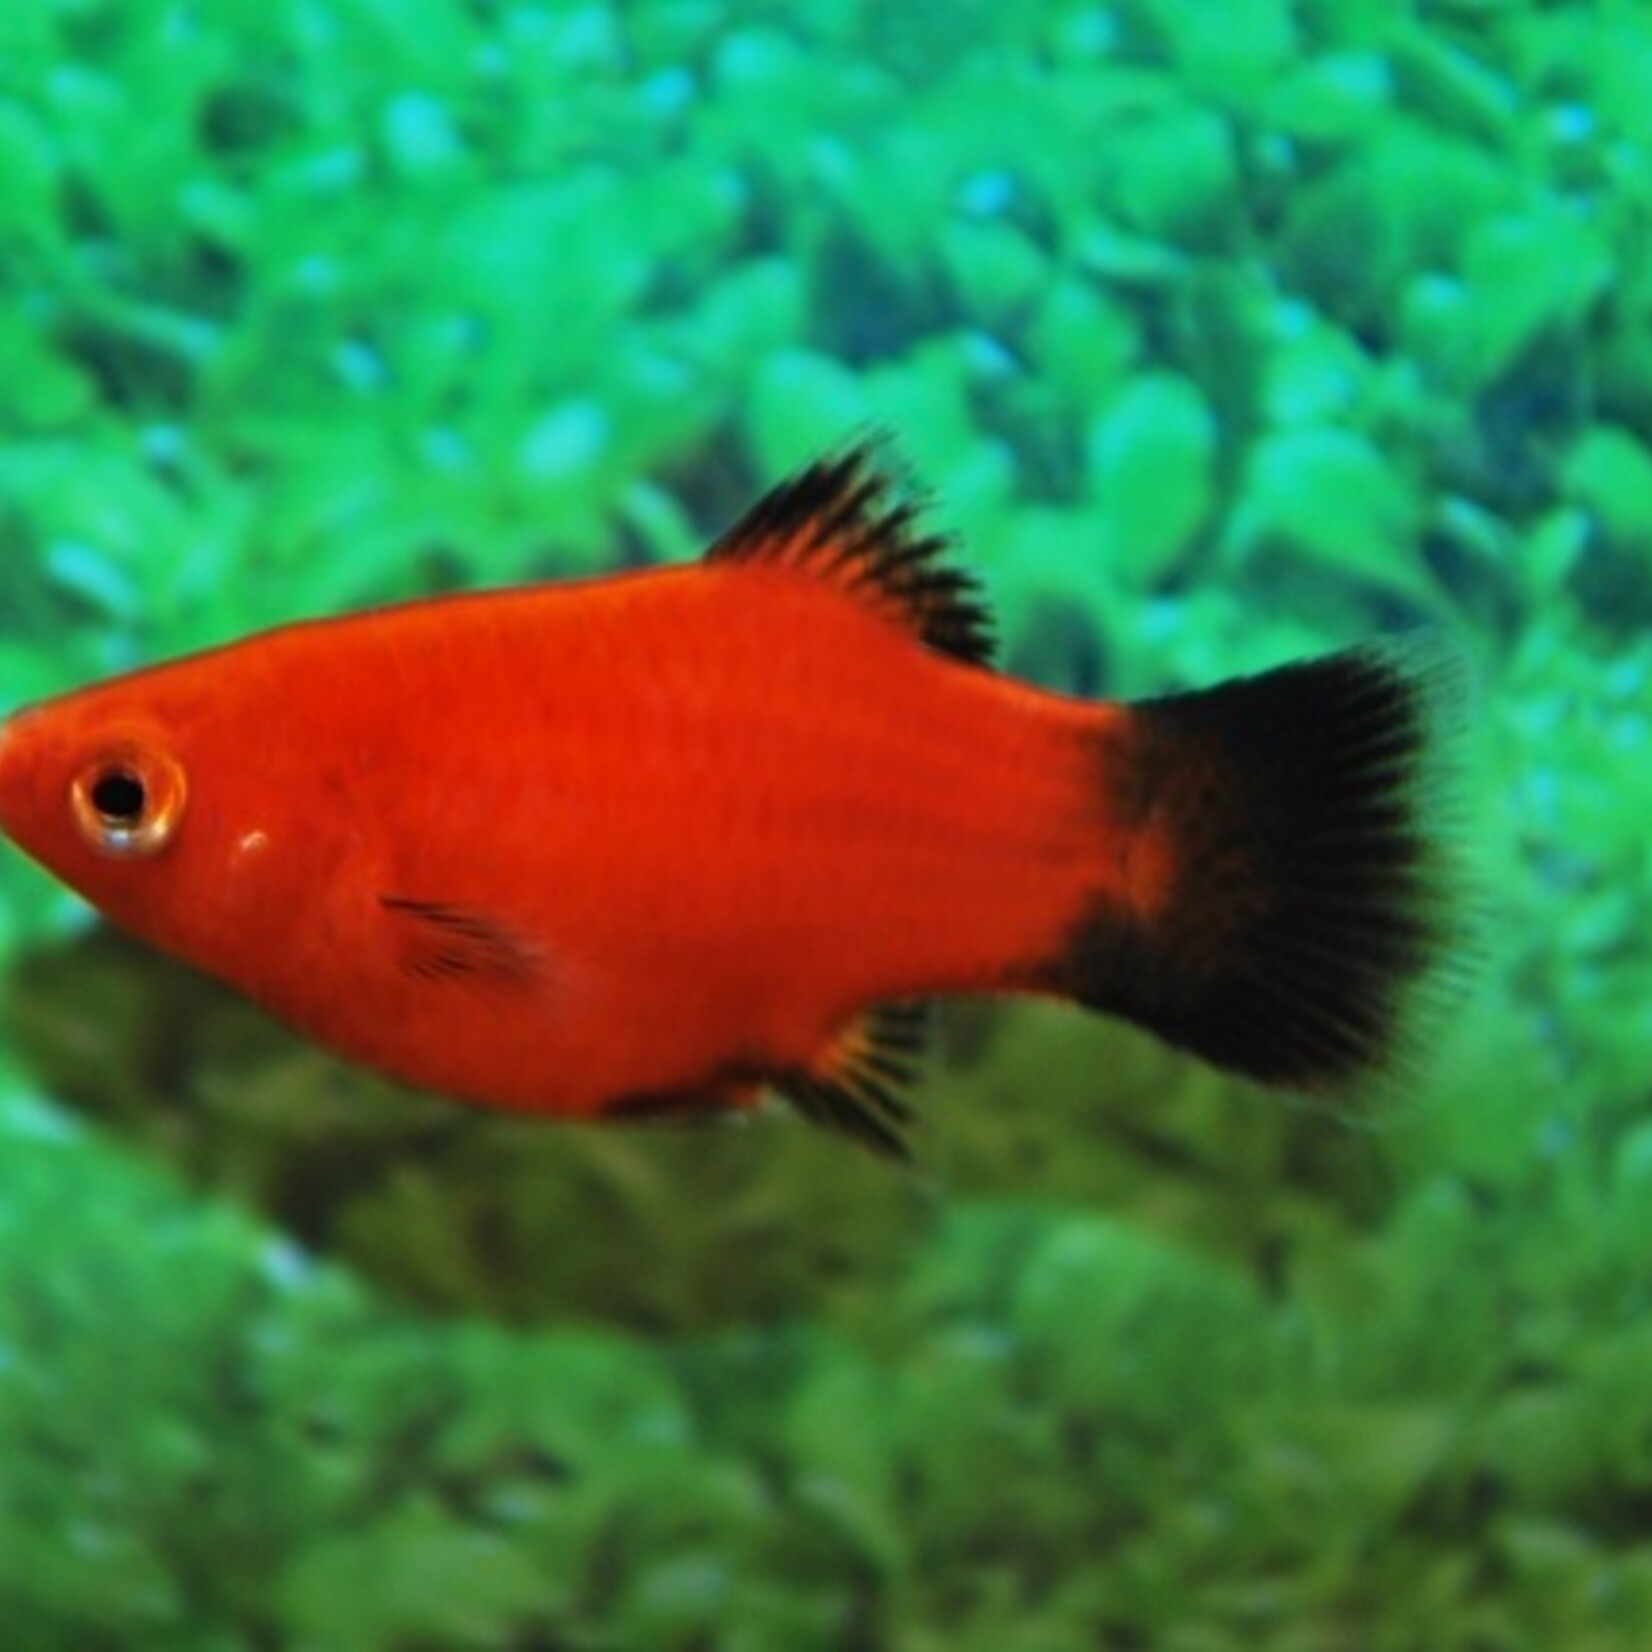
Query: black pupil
pixel 118 797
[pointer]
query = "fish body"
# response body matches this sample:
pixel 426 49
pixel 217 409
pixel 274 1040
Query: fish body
pixel 656 842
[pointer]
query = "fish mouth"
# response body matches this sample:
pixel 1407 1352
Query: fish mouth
pixel 12 763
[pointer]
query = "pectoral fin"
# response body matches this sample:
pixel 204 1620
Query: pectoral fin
pixel 444 943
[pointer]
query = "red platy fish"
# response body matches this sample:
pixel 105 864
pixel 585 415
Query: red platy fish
pixel 661 842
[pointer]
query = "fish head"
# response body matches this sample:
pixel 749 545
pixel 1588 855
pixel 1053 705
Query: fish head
pixel 136 794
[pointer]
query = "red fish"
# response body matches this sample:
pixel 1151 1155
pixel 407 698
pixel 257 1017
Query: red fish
pixel 663 841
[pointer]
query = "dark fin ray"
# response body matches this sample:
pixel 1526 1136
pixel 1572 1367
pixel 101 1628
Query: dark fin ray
pixel 855 1087
pixel 1314 902
pixel 441 943
pixel 839 521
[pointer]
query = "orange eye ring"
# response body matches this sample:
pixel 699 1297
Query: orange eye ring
pixel 128 802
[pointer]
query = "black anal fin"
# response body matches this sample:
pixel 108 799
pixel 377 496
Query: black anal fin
pixel 441 942
pixel 855 1086
pixel 841 522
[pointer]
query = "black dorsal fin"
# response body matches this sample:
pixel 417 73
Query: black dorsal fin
pixel 855 1085
pixel 840 520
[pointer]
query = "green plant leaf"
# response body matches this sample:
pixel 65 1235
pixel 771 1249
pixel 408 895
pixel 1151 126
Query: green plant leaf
pixel 1149 458
pixel 1608 472
pixel 1329 498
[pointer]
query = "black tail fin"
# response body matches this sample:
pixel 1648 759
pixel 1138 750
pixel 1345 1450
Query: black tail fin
pixel 1305 900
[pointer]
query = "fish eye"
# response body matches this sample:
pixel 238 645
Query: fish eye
pixel 119 797
pixel 127 803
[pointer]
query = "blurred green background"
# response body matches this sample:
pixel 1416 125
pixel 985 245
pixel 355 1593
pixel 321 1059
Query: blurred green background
pixel 1223 333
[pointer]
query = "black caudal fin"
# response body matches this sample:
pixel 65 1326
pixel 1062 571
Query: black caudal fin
pixel 1302 893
